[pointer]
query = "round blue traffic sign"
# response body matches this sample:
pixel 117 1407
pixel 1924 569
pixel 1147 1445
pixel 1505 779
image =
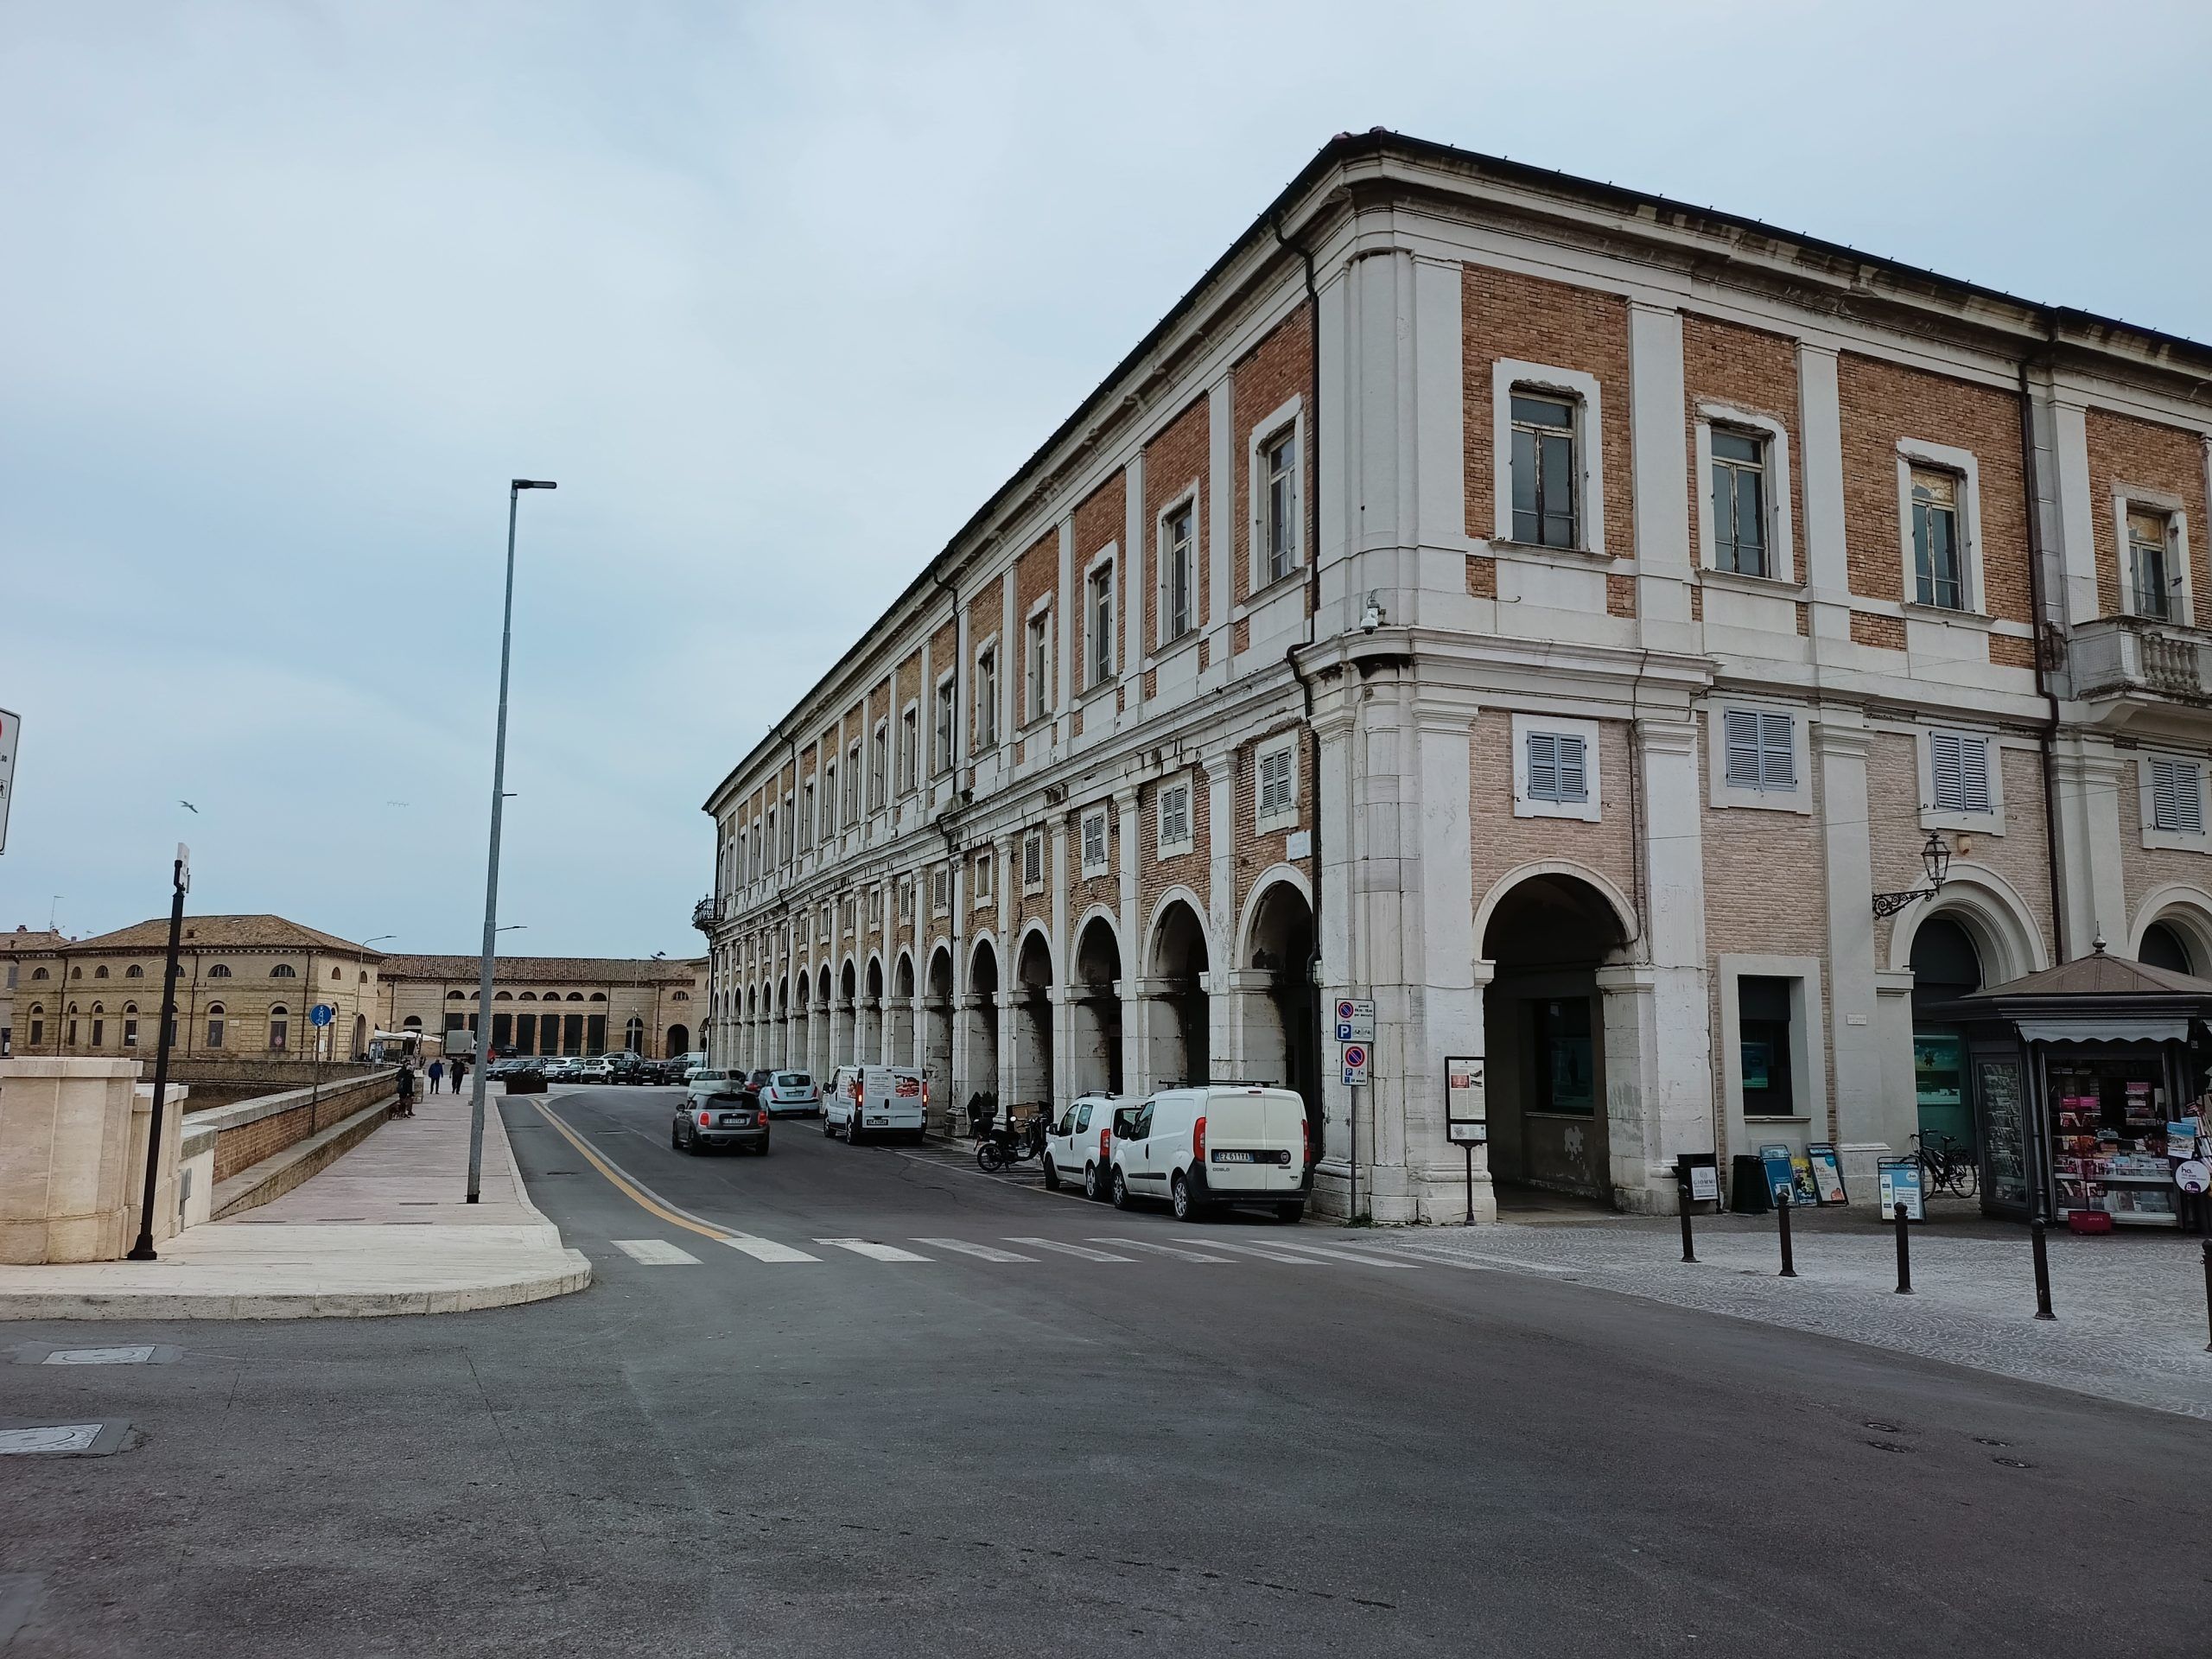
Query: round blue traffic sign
pixel 321 1014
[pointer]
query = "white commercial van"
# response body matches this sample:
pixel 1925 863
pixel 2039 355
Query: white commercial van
pixel 1077 1148
pixel 875 1100
pixel 1218 1143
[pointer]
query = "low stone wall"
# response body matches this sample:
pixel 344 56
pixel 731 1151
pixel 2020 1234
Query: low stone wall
pixel 245 1133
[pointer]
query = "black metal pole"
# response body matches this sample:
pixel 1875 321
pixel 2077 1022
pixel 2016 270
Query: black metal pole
pixel 1904 1253
pixel 1782 1219
pixel 1468 1146
pixel 2043 1271
pixel 143 1249
pixel 1689 1248
pixel 2207 1288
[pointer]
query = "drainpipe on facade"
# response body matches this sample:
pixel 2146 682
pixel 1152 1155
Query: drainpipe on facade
pixel 1306 688
pixel 2047 743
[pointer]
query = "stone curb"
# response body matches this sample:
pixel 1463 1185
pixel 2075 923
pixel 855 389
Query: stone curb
pixel 574 1275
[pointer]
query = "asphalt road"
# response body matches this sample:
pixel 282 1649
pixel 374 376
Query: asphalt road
pixel 850 1455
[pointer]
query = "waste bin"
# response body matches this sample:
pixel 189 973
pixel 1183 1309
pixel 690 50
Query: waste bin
pixel 1747 1193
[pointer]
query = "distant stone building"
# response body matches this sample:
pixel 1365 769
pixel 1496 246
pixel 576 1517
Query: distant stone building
pixel 553 1005
pixel 26 949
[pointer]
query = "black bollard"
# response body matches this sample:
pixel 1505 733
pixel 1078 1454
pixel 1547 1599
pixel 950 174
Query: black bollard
pixel 2043 1271
pixel 2208 1288
pixel 1782 1219
pixel 1904 1253
pixel 1689 1249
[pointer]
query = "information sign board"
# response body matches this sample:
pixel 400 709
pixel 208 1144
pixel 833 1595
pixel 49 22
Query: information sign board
pixel 1899 1181
pixel 1354 1020
pixel 1466 1102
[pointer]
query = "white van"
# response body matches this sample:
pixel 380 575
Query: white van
pixel 875 1100
pixel 1077 1149
pixel 1221 1143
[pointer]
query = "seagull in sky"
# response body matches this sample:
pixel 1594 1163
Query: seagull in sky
pixel 188 806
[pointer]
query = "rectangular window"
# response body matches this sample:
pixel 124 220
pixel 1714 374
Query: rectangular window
pixel 982 877
pixel 829 801
pixel 1556 768
pixel 1544 485
pixel 1938 567
pixel 1175 819
pixel 1275 794
pixel 280 1028
pixel 1094 843
pixel 38 1032
pixel 906 901
pixel 1762 1032
pixel 1739 541
pixel 1761 750
pixel 947 705
pixel 1279 455
pixel 1566 1062
pixel 1037 667
pixel 572 1033
pixel 875 906
pixel 986 698
pixel 595 1034
pixel 99 1034
pixel 806 814
pixel 1098 610
pixel 129 1033
pixel 1178 592
pixel 853 783
pixel 940 892
pixel 527 1034
pixel 879 771
pixel 2150 589
pixel 910 749
pixel 1959 766
pixel 1033 859
pixel 2178 797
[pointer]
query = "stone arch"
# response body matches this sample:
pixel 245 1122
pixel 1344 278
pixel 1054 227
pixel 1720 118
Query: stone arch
pixel 935 1050
pixel 2186 910
pixel 1276 1010
pixel 1992 913
pixel 1274 875
pixel 1176 984
pixel 1167 901
pixel 1094 1011
pixel 1032 992
pixel 1624 911
pixel 979 1025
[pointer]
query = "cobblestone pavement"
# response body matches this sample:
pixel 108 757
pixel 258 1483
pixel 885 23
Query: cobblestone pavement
pixel 2132 1320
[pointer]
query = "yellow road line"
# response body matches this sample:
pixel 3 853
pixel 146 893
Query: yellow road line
pixel 644 1200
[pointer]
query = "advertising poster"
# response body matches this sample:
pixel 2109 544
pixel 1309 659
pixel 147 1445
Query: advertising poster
pixel 1781 1178
pixel 1899 1180
pixel 1827 1173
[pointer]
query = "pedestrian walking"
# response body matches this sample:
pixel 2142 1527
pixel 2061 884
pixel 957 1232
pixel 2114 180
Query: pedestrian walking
pixel 438 1071
pixel 460 1071
pixel 404 1082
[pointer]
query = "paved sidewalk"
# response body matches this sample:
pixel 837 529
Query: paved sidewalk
pixel 385 1229
pixel 2132 1320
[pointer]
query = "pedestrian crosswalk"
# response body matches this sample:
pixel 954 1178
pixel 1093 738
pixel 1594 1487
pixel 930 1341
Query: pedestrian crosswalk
pixel 1112 1250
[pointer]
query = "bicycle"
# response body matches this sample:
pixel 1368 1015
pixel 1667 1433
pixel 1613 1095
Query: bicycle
pixel 1948 1168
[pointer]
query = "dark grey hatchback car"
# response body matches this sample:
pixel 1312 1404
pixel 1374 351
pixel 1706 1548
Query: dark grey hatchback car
pixel 718 1110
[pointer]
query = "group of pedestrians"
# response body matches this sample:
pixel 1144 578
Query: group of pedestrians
pixel 437 1074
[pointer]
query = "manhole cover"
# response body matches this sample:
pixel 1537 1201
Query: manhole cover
pixel 1888 1446
pixel 101 1356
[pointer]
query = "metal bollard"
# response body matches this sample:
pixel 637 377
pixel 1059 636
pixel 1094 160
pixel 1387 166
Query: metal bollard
pixel 1905 1253
pixel 1782 1219
pixel 2208 1288
pixel 2043 1271
pixel 1689 1249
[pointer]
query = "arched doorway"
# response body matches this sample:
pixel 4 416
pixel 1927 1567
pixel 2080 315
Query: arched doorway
pixel 868 1017
pixel 798 1051
pixel 979 1015
pixel 899 1015
pixel 818 1028
pixel 1282 1021
pixel 937 1029
pixel 360 1036
pixel 634 1035
pixel 1033 1022
pixel 1543 1023
pixel 1946 965
pixel 1180 1014
pixel 679 1040
pixel 1095 1066
pixel 842 1050
pixel 2164 947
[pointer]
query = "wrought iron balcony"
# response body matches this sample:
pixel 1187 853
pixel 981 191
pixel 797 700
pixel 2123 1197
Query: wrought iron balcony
pixel 703 914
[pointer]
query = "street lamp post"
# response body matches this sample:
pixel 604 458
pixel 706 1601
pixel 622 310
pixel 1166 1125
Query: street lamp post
pixel 181 876
pixel 515 488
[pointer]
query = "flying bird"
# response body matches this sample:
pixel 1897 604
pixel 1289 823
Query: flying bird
pixel 395 803
pixel 187 806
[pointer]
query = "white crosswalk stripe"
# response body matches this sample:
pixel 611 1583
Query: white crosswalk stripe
pixel 767 1249
pixel 1346 1256
pixel 869 1248
pixel 1283 1256
pixel 1084 1251
pixel 1163 1249
pixel 982 1252
pixel 655 1252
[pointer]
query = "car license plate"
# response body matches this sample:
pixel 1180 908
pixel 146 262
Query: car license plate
pixel 1236 1157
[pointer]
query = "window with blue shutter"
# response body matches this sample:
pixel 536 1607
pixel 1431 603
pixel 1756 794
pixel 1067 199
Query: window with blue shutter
pixel 1761 750
pixel 1959 766
pixel 2178 797
pixel 1557 771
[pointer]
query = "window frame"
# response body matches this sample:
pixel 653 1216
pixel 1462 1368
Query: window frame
pixel 1509 375
pixel 1286 815
pixel 1916 454
pixel 1100 657
pixel 983 879
pixel 1184 504
pixel 1798 798
pixel 2129 499
pixel 1288 416
pixel 1037 689
pixel 1781 529
pixel 984 718
pixel 944 723
pixel 908 760
pixel 1104 863
pixel 1590 809
pixel 1033 840
pixel 1163 844
pixel 1807 1058
pixel 1933 815
pixel 2178 840
pixel 880 772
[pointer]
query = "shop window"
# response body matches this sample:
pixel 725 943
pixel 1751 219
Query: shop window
pixel 2110 1110
pixel 1567 1061
pixel 1764 1041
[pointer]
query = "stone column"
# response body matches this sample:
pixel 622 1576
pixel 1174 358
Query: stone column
pixel 1134 1053
pixel 1870 1121
pixel 1219 765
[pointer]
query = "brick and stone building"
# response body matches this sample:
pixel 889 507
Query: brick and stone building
pixel 552 1005
pixel 1553 612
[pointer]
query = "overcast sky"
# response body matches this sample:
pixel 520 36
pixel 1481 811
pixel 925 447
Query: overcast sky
pixel 779 294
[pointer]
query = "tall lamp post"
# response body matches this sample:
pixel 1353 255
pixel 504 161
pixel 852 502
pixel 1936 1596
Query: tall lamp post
pixel 181 876
pixel 515 487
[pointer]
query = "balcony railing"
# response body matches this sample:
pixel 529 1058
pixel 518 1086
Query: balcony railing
pixel 2134 656
pixel 703 914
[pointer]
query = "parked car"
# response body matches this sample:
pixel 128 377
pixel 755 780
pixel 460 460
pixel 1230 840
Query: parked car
pixel 1220 1143
pixel 626 1067
pixel 563 1068
pixel 1076 1147
pixel 719 1111
pixel 502 1070
pixel 596 1068
pixel 875 1100
pixel 786 1092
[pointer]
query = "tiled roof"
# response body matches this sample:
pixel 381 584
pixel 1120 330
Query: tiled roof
pixel 2101 974
pixel 220 933
pixel 33 938
pixel 508 970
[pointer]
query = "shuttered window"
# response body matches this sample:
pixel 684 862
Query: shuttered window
pixel 1961 765
pixel 1278 791
pixel 1557 770
pixel 1761 750
pixel 1094 843
pixel 1033 859
pixel 1175 816
pixel 2178 797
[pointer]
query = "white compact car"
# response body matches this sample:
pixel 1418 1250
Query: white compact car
pixel 1220 1143
pixel 875 1100
pixel 788 1091
pixel 1077 1148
